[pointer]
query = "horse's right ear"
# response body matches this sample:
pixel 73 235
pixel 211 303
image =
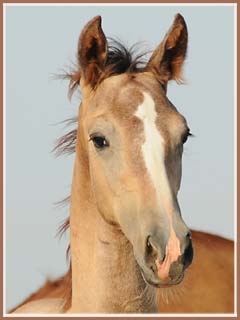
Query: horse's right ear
pixel 92 52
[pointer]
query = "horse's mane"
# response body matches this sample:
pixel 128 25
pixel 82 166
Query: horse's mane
pixel 120 59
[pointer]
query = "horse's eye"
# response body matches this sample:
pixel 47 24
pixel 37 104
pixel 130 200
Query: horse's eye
pixel 99 142
pixel 184 138
pixel 186 135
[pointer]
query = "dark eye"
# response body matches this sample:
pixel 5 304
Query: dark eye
pixel 186 135
pixel 99 142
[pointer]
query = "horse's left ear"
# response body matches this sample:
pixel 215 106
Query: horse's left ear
pixel 92 52
pixel 167 60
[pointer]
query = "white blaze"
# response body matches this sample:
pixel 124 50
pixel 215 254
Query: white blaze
pixel 153 153
pixel 153 150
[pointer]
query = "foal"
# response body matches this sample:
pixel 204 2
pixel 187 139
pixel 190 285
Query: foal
pixel 128 237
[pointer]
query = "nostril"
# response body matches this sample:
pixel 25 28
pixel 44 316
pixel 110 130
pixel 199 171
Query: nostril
pixel 149 248
pixel 188 255
pixel 154 250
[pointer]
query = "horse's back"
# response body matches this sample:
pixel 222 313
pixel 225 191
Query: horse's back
pixel 50 290
pixel 42 306
pixel 208 286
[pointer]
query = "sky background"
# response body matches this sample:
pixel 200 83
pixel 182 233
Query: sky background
pixel 41 41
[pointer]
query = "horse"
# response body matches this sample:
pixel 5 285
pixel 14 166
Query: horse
pixel 131 251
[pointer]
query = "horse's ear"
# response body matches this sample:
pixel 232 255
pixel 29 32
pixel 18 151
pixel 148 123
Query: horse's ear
pixel 167 60
pixel 92 51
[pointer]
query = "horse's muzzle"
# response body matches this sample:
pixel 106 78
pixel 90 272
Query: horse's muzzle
pixel 159 270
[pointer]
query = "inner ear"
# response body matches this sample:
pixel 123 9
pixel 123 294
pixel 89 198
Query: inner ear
pixel 92 52
pixel 168 58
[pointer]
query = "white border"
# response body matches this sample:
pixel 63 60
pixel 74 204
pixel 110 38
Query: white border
pixel 118 4
pixel 4 154
pixel 234 5
pixel 123 315
pixel 235 158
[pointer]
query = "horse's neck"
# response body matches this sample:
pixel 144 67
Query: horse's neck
pixel 105 276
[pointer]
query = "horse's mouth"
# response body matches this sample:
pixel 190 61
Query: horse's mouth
pixel 152 277
pixel 157 283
